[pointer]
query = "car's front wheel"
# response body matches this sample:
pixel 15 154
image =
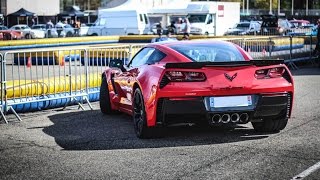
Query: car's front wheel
pixel 270 125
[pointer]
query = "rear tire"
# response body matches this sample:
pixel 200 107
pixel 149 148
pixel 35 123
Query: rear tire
pixel 270 125
pixel 69 34
pixel 140 119
pixel 28 36
pixel 104 99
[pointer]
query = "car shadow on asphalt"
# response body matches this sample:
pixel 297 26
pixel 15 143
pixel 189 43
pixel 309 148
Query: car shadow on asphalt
pixel 103 132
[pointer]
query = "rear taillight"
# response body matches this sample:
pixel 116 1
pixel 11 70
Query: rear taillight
pixel 185 76
pixel 269 73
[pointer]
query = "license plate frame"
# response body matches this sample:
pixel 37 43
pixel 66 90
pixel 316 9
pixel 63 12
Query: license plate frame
pixel 230 101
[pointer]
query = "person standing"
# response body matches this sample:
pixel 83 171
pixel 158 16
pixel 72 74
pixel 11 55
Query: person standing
pixel 186 29
pixel 77 26
pixel 172 28
pixel 49 27
pixel 59 28
pixel 159 29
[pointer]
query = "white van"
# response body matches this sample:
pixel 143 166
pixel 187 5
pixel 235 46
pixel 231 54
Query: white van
pixel 212 17
pixel 115 21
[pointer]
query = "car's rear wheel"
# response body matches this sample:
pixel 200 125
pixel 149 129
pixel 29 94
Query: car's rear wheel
pixel 104 99
pixel 69 34
pixel 28 36
pixel 270 125
pixel 139 116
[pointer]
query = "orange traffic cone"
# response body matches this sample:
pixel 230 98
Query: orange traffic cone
pixel 62 61
pixel 29 62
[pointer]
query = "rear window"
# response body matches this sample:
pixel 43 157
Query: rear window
pixel 209 52
pixel 243 25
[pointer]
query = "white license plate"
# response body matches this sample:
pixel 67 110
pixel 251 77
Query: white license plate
pixel 230 101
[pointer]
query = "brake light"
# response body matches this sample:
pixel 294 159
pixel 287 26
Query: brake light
pixel 269 73
pixel 185 76
pixel 276 72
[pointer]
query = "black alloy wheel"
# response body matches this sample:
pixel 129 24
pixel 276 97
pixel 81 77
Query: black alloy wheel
pixel 104 98
pixel 139 116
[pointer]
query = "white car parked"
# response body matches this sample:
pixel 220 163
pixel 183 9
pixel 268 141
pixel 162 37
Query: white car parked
pixel 27 32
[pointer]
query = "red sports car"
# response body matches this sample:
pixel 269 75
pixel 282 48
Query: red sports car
pixel 212 82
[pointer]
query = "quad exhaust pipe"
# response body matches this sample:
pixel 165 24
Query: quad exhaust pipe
pixel 216 118
pixel 235 117
pixel 226 118
pixel 244 118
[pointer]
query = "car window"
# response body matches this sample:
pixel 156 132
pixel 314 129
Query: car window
pixel 209 52
pixel 155 57
pixel 243 25
pixel 146 18
pixel 102 21
pixel 141 57
pixel 196 18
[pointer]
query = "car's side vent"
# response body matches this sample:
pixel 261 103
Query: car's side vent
pixel 164 81
pixel 289 105
pixel 160 111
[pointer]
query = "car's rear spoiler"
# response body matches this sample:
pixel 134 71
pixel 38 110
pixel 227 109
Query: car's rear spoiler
pixel 198 65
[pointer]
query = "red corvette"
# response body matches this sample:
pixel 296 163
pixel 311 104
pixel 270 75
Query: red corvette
pixel 212 82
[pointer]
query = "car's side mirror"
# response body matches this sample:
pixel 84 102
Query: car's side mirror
pixel 118 63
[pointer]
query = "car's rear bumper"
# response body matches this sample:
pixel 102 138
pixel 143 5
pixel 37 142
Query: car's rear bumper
pixel 197 108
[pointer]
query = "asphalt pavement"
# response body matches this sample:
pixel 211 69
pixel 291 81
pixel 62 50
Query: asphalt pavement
pixel 76 144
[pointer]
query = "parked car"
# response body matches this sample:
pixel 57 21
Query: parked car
pixel 301 23
pixel 272 25
pixel 245 28
pixel 27 32
pixel 302 27
pixel 42 27
pixel 6 34
pixel 3 27
pixel 84 29
pixel 67 30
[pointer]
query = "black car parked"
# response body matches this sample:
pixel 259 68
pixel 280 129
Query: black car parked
pixel 272 25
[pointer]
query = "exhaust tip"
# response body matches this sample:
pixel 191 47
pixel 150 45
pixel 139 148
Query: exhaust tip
pixel 244 117
pixel 225 118
pixel 216 118
pixel 235 117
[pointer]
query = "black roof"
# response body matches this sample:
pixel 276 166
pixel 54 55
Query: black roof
pixel 22 12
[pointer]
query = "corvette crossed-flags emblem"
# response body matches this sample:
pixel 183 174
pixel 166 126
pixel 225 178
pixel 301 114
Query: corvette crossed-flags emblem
pixel 230 78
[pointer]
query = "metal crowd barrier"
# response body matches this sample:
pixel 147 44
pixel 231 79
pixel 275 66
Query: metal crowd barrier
pixel 34 80
pixel 290 48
